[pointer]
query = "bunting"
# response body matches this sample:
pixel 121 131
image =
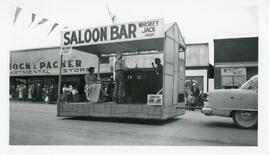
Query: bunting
pixel 33 18
pixel 18 10
pixel 42 21
pixel 53 27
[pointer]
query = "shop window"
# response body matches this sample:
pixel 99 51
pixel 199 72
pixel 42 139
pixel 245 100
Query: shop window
pixel 232 78
pixel 104 60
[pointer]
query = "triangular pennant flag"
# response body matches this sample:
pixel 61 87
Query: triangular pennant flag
pixel 18 10
pixel 42 21
pixel 53 27
pixel 33 18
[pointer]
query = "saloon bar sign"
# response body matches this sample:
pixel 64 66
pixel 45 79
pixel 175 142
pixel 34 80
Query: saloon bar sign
pixel 115 33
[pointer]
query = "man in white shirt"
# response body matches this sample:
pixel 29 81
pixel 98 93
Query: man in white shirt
pixel 119 91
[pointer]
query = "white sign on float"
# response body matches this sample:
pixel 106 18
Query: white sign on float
pixel 149 29
pixel 154 99
pixel 65 50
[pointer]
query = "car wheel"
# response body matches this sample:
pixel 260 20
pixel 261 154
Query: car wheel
pixel 245 119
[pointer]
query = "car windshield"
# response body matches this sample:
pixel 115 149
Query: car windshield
pixel 250 83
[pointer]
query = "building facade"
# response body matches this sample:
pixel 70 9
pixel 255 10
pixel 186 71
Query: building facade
pixel 198 68
pixel 41 67
pixel 236 60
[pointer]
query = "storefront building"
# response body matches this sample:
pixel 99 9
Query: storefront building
pixel 41 67
pixel 198 68
pixel 236 60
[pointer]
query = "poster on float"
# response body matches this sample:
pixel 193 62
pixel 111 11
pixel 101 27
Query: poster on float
pixel 149 29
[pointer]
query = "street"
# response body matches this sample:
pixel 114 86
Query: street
pixel 37 124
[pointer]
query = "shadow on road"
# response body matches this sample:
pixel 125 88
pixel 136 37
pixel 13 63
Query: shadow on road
pixel 125 120
pixel 224 125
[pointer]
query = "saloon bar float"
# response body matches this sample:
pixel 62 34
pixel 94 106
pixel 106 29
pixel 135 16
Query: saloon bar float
pixel 142 99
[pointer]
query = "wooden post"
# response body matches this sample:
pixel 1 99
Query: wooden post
pixel 59 86
pixel 98 74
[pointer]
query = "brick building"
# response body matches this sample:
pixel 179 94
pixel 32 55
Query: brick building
pixel 236 60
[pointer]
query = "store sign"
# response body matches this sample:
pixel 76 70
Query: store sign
pixel 153 99
pixel 233 71
pixel 47 62
pixel 149 29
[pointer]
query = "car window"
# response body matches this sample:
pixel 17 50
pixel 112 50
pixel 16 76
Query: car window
pixel 247 85
pixel 250 84
pixel 255 85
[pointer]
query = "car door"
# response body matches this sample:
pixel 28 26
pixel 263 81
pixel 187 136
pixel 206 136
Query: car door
pixel 242 99
pixel 255 94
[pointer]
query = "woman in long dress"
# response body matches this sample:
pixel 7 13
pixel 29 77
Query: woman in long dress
pixel 90 79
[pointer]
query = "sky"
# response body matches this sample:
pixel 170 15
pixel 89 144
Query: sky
pixel 200 21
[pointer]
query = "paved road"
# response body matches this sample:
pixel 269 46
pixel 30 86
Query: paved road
pixel 37 124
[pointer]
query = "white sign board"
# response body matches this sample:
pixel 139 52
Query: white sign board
pixel 153 99
pixel 65 50
pixel 149 29
pixel 233 71
pixel 93 93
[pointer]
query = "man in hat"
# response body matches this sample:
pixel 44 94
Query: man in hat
pixel 195 93
pixel 159 74
pixel 119 92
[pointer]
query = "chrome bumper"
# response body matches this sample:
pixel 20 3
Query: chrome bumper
pixel 207 111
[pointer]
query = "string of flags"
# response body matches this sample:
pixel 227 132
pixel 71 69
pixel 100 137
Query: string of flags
pixel 33 17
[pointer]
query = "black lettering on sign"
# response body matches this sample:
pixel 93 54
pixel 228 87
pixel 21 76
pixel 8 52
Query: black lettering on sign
pixel 87 35
pixel 27 65
pixel 123 32
pixel 78 63
pixel 95 35
pixel 15 66
pixel 64 64
pixel 70 63
pixel 74 38
pixel 66 37
pixel 132 30
pixel 55 64
pixel 42 65
pixel 81 41
pixel 114 32
pixel 103 34
pixel 21 66
pixel 49 65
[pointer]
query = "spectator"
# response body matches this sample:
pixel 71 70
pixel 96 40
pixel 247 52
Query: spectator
pixel 39 92
pixel 74 93
pixel 30 87
pixel 46 98
pixel 33 92
pixel 20 91
pixel 43 93
pixel 195 93
pixel 17 92
pixel 65 93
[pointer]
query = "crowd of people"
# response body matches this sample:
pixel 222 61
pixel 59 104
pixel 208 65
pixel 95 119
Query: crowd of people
pixel 193 96
pixel 70 94
pixel 34 93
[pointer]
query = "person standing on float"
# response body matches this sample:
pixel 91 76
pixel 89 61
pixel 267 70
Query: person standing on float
pixel 90 79
pixel 159 74
pixel 119 91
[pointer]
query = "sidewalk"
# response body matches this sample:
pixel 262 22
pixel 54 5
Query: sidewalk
pixel 30 102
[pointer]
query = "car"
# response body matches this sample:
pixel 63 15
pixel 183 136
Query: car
pixel 240 104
